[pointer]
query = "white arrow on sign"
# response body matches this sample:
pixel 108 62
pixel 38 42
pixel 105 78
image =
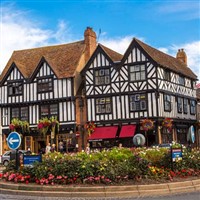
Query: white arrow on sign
pixel 13 140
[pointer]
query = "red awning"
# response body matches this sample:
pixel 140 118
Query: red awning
pixel 127 131
pixel 106 132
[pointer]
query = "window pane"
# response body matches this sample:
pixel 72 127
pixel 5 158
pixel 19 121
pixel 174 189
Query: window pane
pixel 24 113
pixel 15 113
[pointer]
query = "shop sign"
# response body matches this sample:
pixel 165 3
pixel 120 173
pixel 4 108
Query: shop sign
pixel 28 160
pixel 176 155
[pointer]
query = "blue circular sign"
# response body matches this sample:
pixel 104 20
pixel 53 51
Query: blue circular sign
pixel 14 140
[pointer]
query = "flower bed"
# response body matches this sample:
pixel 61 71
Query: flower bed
pixel 116 166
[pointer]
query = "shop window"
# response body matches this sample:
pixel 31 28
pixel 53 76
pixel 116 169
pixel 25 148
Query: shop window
pixel 138 102
pixel 166 136
pixel 182 135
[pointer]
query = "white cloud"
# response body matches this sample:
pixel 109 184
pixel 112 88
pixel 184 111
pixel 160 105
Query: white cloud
pixel 119 44
pixel 20 31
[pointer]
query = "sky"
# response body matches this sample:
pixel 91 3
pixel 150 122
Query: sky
pixel 167 25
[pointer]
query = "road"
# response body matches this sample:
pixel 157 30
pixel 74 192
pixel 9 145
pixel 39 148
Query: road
pixel 188 196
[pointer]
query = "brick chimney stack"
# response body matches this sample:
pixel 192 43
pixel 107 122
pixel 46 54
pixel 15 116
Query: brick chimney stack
pixel 90 42
pixel 181 55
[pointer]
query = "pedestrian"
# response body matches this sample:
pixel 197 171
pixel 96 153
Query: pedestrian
pixel 87 149
pixel 48 148
pixel 53 148
pixel 60 147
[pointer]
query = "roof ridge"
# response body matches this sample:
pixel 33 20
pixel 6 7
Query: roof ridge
pixel 50 46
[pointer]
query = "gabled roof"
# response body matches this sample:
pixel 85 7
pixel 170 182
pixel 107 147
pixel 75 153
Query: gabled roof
pixel 112 54
pixel 62 58
pixel 166 60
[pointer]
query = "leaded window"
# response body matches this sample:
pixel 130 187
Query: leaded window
pixel 185 106
pixel 181 80
pixel 15 88
pixel 103 105
pixel 138 102
pixel 45 84
pixel 102 76
pixel 167 76
pixel 20 113
pixel 167 102
pixel 137 73
pixel 180 105
pixel 192 107
pixel 49 110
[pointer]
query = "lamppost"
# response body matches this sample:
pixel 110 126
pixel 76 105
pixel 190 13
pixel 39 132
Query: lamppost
pixel 81 105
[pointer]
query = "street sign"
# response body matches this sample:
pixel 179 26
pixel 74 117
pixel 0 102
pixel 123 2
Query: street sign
pixel 14 140
pixel 28 160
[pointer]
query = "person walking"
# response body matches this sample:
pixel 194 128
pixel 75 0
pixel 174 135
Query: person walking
pixel 48 148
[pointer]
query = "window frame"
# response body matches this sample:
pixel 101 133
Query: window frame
pixel 103 104
pixel 49 110
pixel 181 80
pixel 135 102
pixel 42 84
pixel 185 105
pixel 179 104
pixel 167 75
pixel 102 76
pixel 19 116
pixel 14 86
pixel 192 107
pixel 139 75
pixel 166 100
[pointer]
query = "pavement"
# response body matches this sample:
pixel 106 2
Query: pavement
pixel 100 191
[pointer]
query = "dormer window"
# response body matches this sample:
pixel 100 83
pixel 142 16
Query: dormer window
pixel 15 88
pixel 45 85
pixel 137 72
pixel 181 80
pixel 102 77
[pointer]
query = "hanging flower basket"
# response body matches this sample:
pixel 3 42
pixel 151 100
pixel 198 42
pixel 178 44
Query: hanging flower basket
pixel 147 124
pixel 167 123
pixel 19 126
pixel 43 125
pixel 46 124
pixel 90 127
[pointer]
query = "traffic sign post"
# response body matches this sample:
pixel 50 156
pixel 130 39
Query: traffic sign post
pixel 14 142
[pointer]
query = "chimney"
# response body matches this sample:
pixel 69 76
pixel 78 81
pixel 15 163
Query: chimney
pixel 90 42
pixel 181 55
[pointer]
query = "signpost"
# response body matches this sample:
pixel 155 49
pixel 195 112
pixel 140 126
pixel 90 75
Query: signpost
pixel 14 142
pixel 28 160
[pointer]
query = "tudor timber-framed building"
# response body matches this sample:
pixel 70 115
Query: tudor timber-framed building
pixel 143 83
pixel 44 82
